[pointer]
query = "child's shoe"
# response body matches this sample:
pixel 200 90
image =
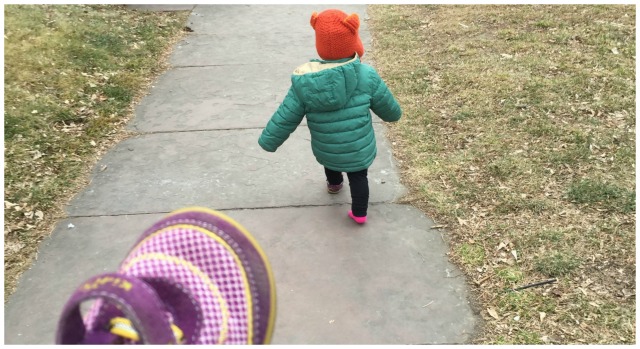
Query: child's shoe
pixel 334 188
pixel 359 220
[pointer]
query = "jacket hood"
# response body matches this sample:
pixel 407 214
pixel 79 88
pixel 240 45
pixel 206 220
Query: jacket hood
pixel 326 85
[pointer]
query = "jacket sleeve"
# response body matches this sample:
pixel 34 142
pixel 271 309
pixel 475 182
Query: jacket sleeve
pixel 283 122
pixel 383 103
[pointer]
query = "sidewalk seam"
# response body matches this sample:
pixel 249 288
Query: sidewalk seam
pixel 214 65
pixel 225 209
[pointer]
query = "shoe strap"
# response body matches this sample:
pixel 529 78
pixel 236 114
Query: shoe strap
pixel 134 297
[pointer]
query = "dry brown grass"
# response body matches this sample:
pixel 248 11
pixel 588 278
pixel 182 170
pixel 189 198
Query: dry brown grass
pixel 519 137
pixel 72 76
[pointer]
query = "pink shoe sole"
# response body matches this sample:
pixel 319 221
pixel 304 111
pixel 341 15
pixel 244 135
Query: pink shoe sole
pixel 359 220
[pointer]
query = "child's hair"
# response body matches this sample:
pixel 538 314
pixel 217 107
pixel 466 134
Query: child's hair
pixel 337 34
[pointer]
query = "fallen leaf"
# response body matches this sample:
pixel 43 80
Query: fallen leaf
pixel 515 254
pixel 36 154
pixel 13 247
pixel 493 313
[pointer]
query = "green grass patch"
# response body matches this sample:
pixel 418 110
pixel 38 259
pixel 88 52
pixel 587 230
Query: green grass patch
pixel 603 194
pixel 472 254
pixel 510 275
pixel 72 73
pixel 557 264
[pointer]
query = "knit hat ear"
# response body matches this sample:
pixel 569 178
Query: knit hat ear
pixel 314 18
pixel 352 22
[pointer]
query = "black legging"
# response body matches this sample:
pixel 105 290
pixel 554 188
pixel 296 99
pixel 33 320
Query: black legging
pixel 359 189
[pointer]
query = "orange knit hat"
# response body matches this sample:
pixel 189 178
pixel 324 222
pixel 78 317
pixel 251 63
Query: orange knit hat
pixel 337 34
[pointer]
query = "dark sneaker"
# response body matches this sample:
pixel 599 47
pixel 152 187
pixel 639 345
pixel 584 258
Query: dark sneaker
pixel 334 188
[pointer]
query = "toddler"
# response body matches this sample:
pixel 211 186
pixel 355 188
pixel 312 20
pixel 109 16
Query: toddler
pixel 336 94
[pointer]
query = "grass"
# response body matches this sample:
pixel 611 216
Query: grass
pixel 557 264
pixel 606 195
pixel 518 133
pixel 72 74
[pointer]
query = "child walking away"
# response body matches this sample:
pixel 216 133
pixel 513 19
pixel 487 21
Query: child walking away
pixel 336 94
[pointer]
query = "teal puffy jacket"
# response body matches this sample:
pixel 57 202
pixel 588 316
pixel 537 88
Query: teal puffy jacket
pixel 336 97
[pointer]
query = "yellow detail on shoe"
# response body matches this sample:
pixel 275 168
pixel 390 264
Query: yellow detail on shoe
pixel 124 328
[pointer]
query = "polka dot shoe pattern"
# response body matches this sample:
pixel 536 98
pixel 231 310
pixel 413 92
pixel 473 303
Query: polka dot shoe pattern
pixel 211 274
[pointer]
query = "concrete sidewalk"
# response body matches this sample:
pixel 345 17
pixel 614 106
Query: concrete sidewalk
pixel 387 282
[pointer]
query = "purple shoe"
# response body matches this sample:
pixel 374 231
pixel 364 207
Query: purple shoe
pixel 334 188
pixel 195 277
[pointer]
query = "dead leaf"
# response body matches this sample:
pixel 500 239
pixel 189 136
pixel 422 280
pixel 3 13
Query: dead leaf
pixel 36 154
pixel 515 254
pixel 493 313
pixel 12 246
pixel 462 221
